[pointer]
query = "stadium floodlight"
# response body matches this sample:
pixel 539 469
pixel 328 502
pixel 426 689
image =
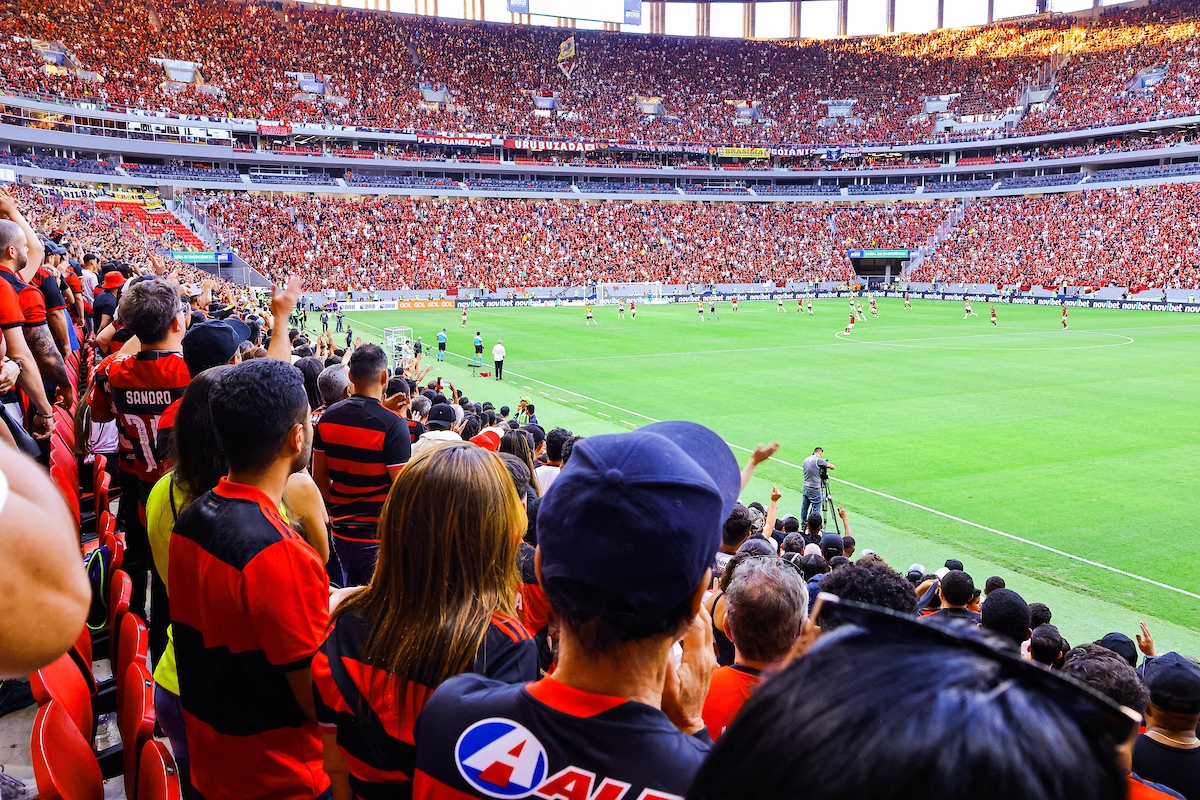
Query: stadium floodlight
pixel 644 292
pixel 398 345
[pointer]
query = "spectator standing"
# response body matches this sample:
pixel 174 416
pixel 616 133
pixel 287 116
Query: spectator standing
pixel 104 307
pixel 359 447
pixel 498 354
pixel 135 390
pixel 617 711
pixel 765 605
pixel 548 472
pixel 251 600
pixel 1169 751
pixel 435 564
pixel 439 421
pixel 1004 612
pixel 955 590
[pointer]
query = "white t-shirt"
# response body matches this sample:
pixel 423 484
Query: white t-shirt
pixel 89 281
pixel 498 353
pixel 546 476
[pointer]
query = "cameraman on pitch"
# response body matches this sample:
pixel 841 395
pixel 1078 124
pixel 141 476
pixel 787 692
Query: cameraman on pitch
pixel 812 482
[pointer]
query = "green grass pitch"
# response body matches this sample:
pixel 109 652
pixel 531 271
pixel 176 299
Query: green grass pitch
pixel 1066 461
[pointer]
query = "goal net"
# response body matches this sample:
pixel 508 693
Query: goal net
pixel 649 292
pixel 398 345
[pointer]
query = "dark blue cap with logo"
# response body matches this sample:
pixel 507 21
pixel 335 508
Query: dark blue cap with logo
pixel 639 514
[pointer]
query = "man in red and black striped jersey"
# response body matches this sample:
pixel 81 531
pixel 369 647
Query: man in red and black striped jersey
pixel 250 601
pixel 135 389
pixel 359 448
pixel 626 537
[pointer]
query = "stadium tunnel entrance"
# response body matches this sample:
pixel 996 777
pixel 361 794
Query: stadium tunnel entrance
pixel 879 267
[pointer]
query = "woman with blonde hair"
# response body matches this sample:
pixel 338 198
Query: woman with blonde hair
pixel 442 601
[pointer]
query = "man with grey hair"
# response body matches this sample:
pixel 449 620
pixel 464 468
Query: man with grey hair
pixel 333 384
pixel 765 606
pixel 418 414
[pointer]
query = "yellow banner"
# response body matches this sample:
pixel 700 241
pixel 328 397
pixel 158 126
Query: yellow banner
pixel 566 50
pixel 743 152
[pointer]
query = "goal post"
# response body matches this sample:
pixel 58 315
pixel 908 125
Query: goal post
pixel 398 345
pixel 645 292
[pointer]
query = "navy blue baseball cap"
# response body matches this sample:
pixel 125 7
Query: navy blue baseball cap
pixel 639 514
pixel 1174 682
pixel 212 343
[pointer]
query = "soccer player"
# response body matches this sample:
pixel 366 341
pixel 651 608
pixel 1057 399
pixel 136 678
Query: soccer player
pixel 700 309
pixel 734 304
pixel 478 359
pixel 632 309
pixel 994 325
pixel 799 305
pixel 712 308
pixel 621 310
pixel 874 310
pixel 1064 316
pixel 809 304
pixel 779 306
pixel 907 300
pixel 849 327
pixel 464 317
pixel 441 339
pixel 859 307
pixel 589 318
pixel 852 317
pixel 969 311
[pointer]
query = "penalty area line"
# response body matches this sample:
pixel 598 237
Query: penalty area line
pixel 1089 562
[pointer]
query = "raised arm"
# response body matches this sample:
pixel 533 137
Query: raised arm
pixel 760 454
pixel 282 304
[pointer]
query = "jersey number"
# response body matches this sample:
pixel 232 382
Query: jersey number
pixel 145 437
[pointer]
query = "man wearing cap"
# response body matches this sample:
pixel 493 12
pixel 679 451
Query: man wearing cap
pixel 498 358
pixel 1169 752
pixel 439 422
pixel 625 540
pixel 104 306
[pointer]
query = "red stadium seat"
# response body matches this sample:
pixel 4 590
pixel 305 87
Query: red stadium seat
pixel 63 682
pixel 132 645
pixel 120 592
pixel 136 721
pixel 158 777
pixel 100 494
pixel 64 765
pixel 68 486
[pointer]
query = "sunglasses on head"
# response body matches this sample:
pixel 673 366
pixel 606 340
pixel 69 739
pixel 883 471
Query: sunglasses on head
pixel 1089 707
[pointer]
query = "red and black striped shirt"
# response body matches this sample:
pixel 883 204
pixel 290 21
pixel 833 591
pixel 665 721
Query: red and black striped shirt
pixel 361 441
pixel 373 712
pixel 249 604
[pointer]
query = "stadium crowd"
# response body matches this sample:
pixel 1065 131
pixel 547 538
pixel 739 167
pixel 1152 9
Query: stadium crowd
pixel 371 66
pixel 1136 238
pixel 414 243
pixel 363 584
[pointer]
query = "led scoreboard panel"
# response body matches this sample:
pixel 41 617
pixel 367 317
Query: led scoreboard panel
pixel 627 12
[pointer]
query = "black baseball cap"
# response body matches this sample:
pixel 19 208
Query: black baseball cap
pixel 831 545
pixel 1122 645
pixel 212 343
pixel 1174 682
pixel 441 417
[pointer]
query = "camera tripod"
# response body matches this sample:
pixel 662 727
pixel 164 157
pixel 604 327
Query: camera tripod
pixel 829 507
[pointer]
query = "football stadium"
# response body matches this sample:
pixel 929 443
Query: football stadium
pixel 561 398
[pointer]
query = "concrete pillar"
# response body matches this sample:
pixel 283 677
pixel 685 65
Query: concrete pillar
pixel 703 19
pixel 748 10
pixel 992 11
pixel 843 14
pixel 890 15
pixel 658 16
pixel 941 13
pixel 794 31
